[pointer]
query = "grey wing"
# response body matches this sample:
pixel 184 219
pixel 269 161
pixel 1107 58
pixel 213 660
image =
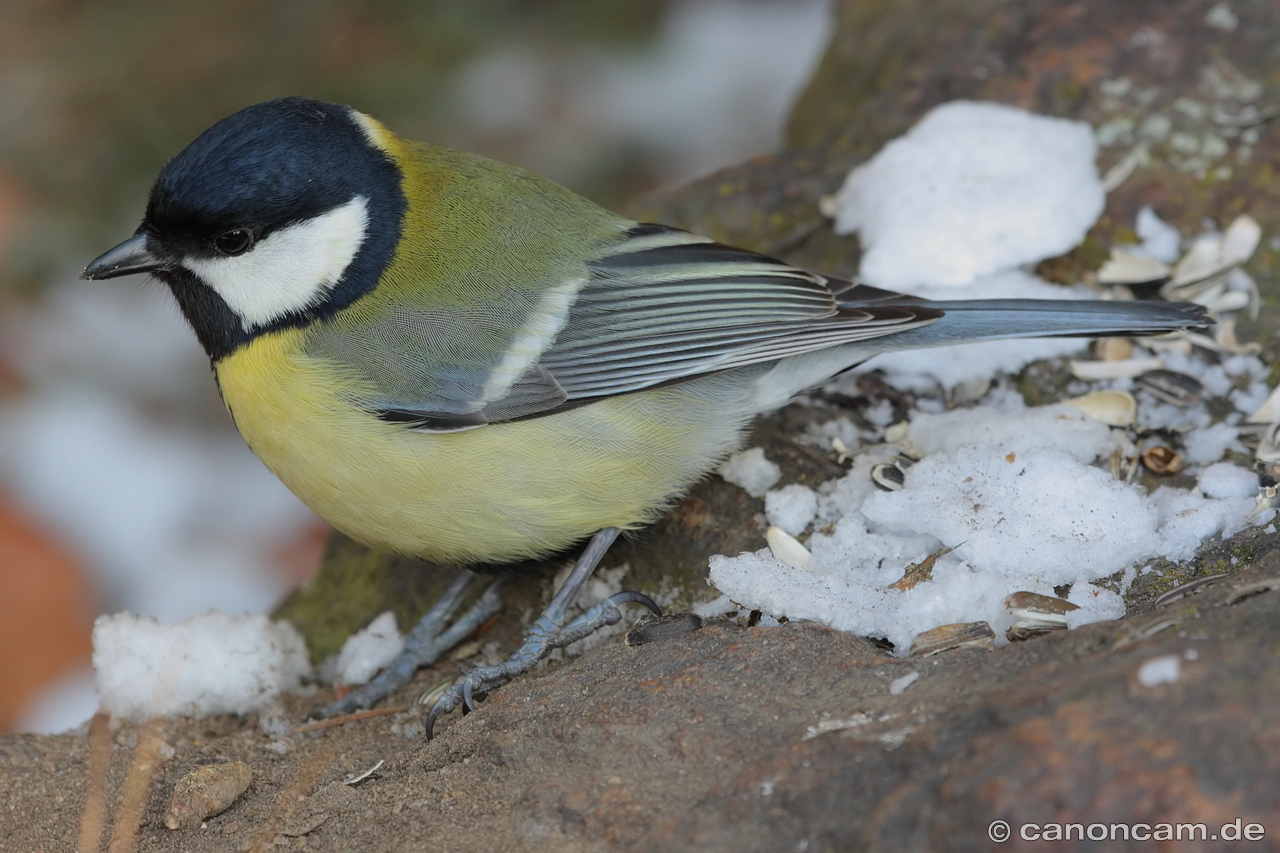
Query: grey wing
pixel 659 306
pixel 667 305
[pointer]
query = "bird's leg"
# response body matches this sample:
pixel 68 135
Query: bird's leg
pixel 548 632
pixel 426 642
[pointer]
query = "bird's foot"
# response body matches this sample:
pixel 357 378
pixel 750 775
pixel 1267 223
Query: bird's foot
pixel 425 644
pixel 542 637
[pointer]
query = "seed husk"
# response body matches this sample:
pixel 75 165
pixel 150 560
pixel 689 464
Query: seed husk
pixel 1035 614
pixel 954 636
pixel 1162 460
pixel 1113 408
pixel 1179 389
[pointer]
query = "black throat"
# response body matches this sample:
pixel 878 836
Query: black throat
pixel 217 327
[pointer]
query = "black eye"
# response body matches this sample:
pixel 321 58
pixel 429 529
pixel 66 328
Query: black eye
pixel 237 241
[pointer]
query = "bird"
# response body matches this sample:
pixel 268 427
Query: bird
pixel 454 359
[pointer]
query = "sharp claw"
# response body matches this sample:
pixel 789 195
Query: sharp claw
pixel 547 633
pixel 447 702
pixel 431 720
pixel 426 643
pixel 629 597
pixel 430 717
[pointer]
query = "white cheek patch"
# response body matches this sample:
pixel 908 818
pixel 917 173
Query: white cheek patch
pixel 291 270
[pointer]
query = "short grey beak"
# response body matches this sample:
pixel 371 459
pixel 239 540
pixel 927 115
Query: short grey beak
pixel 129 257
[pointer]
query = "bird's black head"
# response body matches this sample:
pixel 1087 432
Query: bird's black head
pixel 281 213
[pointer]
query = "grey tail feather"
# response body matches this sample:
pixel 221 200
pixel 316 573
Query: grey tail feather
pixel 994 319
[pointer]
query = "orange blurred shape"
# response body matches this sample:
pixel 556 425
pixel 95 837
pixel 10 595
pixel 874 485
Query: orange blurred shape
pixel 16 210
pixel 298 559
pixel 46 612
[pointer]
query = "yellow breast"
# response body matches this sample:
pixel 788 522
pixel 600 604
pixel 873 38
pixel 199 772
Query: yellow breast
pixel 496 493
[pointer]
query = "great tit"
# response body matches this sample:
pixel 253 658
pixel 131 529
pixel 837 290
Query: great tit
pixel 451 358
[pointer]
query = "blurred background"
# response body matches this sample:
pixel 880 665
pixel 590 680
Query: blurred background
pixel 122 483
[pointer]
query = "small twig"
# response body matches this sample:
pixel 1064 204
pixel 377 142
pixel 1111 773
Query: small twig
pixel 347 718
pixel 921 571
pixel 137 783
pixel 93 814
